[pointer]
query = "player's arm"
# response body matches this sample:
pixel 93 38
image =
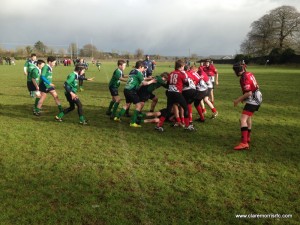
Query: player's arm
pixel 242 98
pixel 145 82
pixel 68 89
pixel 45 80
pixel 217 77
pixel 25 71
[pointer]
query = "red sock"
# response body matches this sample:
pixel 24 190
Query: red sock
pixel 178 120
pixel 182 120
pixel 249 134
pixel 244 131
pixel 200 112
pixel 186 122
pixel 161 121
pixel 213 110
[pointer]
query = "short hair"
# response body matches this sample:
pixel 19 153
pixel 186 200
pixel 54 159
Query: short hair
pixel 51 59
pixel 33 54
pixel 164 75
pixel 79 67
pixel 139 64
pixel 121 62
pixel 179 63
pixel 39 62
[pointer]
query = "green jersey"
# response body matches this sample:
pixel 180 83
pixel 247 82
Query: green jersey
pixel 135 79
pixel 72 82
pixel 46 76
pixel 115 80
pixel 34 74
pixel 153 86
pixel 29 64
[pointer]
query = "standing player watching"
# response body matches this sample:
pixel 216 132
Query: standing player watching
pixel 114 85
pixel 213 75
pixel 46 86
pixel 253 99
pixel 135 80
pixel 28 66
pixel 71 87
pixel 150 65
pixel 33 80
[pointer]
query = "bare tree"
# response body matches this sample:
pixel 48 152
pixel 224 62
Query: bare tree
pixel 286 24
pixel 139 53
pixel 277 29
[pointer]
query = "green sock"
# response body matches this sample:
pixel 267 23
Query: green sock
pixel 60 115
pixel 36 102
pixel 60 109
pixel 116 105
pixel 134 117
pixel 81 118
pixel 122 112
pixel 37 109
pixel 110 106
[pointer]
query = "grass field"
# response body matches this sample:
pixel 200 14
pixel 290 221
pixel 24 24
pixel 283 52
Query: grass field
pixel 110 173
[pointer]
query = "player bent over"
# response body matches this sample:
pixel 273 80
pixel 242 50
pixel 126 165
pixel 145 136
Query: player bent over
pixel 253 99
pixel 71 87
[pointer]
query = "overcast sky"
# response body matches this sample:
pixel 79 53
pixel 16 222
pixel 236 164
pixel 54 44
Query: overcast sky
pixel 165 27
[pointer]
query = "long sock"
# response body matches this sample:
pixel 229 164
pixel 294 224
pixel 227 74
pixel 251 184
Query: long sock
pixel 121 113
pixel 214 110
pixel 36 102
pixel 244 131
pixel 60 115
pixel 187 122
pixel 200 112
pixel 115 108
pixel 110 106
pixel 161 121
pixel 134 117
pixel 178 120
pixel 81 118
pixel 60 108
pixel 127 111
pixel 190 112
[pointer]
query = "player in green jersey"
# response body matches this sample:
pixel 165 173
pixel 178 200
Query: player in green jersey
pixel 46 86
pixel 146 92
pixel 114 85
pixel 33 81
pixel 28 66
pixel 135 80
pixel 71 87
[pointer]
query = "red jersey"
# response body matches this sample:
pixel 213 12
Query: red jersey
pixel 176 79
pixel 210 70
pixel 194 76
pixel 248 82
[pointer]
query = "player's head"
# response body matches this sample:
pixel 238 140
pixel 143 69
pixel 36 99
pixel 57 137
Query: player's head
pixel 33 56
pixel 179 64
pixel 164 75
pixel 80 69
pixel 139 64
pixel 51 60
pixel 121 64
pixel 147 56
pixel 238 68
pixel 207 62
pixel 40 63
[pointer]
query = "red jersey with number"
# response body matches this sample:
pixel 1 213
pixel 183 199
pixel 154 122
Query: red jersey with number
pixel 210 70
pixel 176 80
pixel 248 82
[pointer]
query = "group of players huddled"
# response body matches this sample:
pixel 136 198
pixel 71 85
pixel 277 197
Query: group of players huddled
pixel 185 86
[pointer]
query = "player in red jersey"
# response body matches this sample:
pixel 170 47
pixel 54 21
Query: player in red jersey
pixel 213 75
pixel 176 80
pixel 253 99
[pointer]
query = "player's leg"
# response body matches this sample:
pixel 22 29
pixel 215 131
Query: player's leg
pixel 40 103
pixel 117 101
pixel 153 103
pixel 211 106
pixel 56 99
pixel 244 131
pixel 249 123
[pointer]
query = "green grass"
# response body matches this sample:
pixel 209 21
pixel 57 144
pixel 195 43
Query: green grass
pixel 110 173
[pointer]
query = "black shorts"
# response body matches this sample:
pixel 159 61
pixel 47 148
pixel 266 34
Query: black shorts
pixel 113 91
pixel 131 96
pixel 144 95
pixel 189 95
pixel 201 95
pixel 251 108
pixel 44 89
pixel 31 86
pixel 209 91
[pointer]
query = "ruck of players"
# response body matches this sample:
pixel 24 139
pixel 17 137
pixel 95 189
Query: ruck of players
pixel 189 90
